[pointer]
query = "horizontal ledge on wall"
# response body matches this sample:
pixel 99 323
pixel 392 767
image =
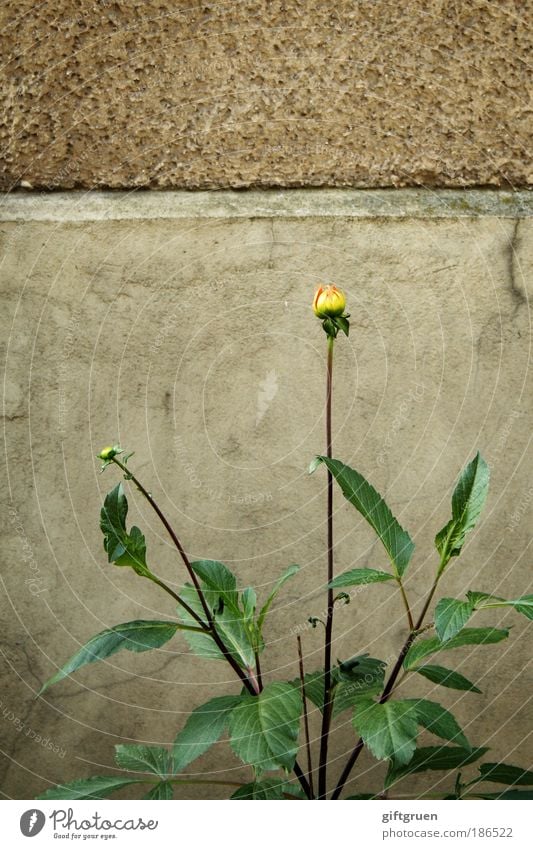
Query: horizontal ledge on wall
pixel 425 203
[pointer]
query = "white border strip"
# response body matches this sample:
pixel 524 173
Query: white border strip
pixel 287 203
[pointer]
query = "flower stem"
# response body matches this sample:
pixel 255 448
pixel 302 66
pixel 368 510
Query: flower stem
pixel 211 630
pixel 326 715
pixel 306 717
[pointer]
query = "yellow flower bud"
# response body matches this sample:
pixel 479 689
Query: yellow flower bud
pixel 109 452
pixel 329 302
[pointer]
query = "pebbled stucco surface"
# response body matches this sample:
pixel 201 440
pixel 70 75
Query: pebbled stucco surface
pixel 191 341
pixel 154 93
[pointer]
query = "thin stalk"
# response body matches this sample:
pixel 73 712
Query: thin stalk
pixel 406 604
pixel 171 533
pixel 306 717
pixel 258 670
pixel 211 629
pixel 190 611
pixel 389 686
pixel 326 715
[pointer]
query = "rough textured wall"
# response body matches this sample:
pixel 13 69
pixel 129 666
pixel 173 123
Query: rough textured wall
pixel 225 410
pixel 158 93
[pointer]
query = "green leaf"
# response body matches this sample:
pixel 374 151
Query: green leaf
pixel 370 504
pixel 152 759
pixel 96 787
pixel 447 678
pixel 443 758
pixel 389 729
pixel 439 721
pixel 267 789
pixel 505 774
pixel 524 605
pixel 363 676
pixel 122 548
pixel 466 637
pixel 203 728
pixel 249 603
pixel 361 670
pixel 343 324
pixel 450 617
pixel 217 577
pixel 139 635
pixel 264 728
pixel 164 790
pixel 289 573
pixel 505 794
pixel 230 625
pixel 482 601
pixel 356 577
pixel 468 500
pixel 362 796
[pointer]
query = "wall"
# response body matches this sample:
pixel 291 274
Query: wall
pixel 180 325
pixel 154 93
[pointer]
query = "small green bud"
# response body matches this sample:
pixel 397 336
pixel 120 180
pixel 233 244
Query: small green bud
pixel 109 452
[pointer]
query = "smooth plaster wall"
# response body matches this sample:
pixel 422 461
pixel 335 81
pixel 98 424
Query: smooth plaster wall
pixel 166 94
pixel 190 339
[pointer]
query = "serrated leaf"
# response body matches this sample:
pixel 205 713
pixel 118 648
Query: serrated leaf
pixel 466 637
pixel 267 789
pixel 162 791
pixel 505 774
pixel 389 729
pixel 446 678
pixel 264 728
pixel 361 670
pixel 370 504
pixel 451 616
pixel 152 759
pixel 355 577
pixel 443 758
pixel 217 577
pixel 138 636
pixel 439 721
pixel 203 728
pixel 289 573
pixel 364 678
pixel 230 625
pixel 122 548
pixel 96 787
pixel 482 601
pixel 468 500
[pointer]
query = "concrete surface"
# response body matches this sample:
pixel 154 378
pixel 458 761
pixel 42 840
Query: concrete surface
pixel 191 340
pixel 154 93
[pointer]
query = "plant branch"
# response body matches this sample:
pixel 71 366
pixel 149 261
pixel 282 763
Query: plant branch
pixel 326 715
pixel 187 607
pixel 211 630
pixel 258 670
pixel 389 686
pixel 306 718
pixel 406 604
